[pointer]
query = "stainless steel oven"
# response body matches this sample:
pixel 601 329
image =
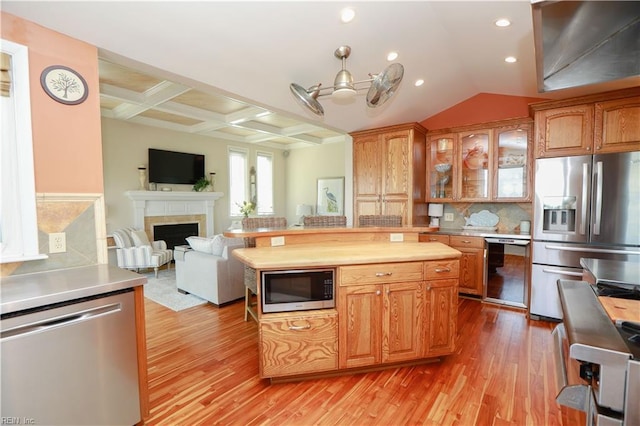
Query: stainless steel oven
pixel 597 362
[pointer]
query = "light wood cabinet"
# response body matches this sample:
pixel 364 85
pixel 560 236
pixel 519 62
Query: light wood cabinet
pixel 380 323
pixel 389 166
pixel 480 164
pixel 471 263
pixel 298 343
pixel 441 312
pixel 595 124
pixel 432 238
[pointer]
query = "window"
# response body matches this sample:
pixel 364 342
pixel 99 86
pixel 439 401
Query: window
pixel 237 180
pixel 18 219
pixel 265 183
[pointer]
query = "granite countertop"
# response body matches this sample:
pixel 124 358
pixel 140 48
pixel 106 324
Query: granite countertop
pixel 20 292
pixel 490 234
pixel 612 271
pixel 339 254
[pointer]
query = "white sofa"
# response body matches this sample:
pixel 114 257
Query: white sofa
pixel 209 271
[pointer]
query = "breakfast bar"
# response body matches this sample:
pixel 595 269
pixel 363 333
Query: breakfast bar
pixel 392 303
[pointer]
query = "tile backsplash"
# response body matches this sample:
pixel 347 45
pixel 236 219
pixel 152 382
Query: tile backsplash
pixel 510 214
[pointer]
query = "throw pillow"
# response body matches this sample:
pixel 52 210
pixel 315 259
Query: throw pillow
pixel 140 238
pixel 217 244
pixel 200 244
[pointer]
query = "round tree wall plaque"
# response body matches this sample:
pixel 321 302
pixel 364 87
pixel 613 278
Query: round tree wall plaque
pixel 64 85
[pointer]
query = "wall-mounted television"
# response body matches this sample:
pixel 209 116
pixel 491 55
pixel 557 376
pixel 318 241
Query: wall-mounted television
pixel 175 167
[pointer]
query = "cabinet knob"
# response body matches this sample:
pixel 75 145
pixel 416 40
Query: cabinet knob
pixel 383 274
pixel 441 270
pixel 378 293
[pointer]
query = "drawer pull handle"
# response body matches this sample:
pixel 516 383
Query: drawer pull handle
pixel 433 239
pixel 384 274
pixel 299 327
pixel 441 270
pixel 466 241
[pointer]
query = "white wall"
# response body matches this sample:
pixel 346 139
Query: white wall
pixel 125 145
pixel 306 165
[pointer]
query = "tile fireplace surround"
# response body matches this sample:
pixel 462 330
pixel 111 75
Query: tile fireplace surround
pixel 174 206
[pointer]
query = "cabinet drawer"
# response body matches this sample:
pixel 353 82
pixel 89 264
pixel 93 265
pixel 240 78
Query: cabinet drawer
pixel 463 241
pixel 380 273
pixel 441 269
pixel 430 238
pixel 298 344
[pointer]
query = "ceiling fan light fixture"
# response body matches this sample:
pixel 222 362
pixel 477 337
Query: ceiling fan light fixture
pixel 381 86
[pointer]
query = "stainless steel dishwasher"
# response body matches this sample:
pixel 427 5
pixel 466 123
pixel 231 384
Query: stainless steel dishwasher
pixel 72 363
pixel 506 278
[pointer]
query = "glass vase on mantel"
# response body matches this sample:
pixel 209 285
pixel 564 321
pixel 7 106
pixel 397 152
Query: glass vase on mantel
pixel 212 182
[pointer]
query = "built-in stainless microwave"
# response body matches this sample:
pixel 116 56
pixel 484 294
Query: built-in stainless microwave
pixel 297 290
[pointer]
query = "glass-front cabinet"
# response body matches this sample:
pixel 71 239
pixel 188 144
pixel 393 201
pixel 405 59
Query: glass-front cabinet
pixel 474 160
pixel 481 164
pixel 441 159
pixel 512 163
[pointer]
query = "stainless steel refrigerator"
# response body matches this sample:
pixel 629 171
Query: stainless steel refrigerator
pixel 585 207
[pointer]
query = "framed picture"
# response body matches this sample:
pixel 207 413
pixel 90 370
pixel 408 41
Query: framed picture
pixel 330 196
pixel 64 85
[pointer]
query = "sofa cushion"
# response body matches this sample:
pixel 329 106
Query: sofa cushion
pixel 140 238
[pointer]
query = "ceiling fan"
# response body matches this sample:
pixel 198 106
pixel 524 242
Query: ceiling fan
pixel 382 86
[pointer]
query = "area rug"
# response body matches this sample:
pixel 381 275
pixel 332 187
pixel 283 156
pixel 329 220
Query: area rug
pixel 163 290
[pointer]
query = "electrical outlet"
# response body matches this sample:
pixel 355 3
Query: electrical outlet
pixel 277 241
pixel 396 237
pixel 57 242
pixel 448 217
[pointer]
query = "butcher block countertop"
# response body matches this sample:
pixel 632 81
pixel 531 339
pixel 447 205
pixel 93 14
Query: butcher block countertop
pixel 621 309
pixel 338 254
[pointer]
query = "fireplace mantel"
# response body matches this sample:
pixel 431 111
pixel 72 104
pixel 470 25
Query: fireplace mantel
pixel 173 203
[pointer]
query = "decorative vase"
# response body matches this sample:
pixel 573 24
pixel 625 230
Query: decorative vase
pixel 142 177
pixel 212 182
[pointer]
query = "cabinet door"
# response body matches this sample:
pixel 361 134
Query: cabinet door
pixel 617 125
pixel 360 311
pixel 403 319
pixel 441 316
pixel 293 345
pixel 564 131
pixel 471 270
pixel 366 167
pixel 512 164
pixel 396 164
pixel 440 171
pixel 474 160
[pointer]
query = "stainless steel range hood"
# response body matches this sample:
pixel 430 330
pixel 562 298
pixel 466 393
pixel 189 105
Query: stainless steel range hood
pixel 579 43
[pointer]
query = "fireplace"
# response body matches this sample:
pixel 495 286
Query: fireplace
pixel 175 234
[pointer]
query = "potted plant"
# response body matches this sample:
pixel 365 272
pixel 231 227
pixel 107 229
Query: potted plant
pixel 246 208
pixel 201 184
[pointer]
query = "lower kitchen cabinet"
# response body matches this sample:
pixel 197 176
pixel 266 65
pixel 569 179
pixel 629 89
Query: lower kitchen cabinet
pixel 298 343
pixel 471 263
pixel 380 323
pixel 441 310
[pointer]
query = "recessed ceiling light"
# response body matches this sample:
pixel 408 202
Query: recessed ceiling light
pixel 503 22
pixel 419 82
pixel 347 14
pixel 510 59
pixel 392 56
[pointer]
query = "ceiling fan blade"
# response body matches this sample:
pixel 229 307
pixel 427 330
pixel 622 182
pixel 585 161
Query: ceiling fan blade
pixel 384 85
pixel 308 97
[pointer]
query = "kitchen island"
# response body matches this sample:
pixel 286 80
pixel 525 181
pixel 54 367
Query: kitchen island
pixel 395 304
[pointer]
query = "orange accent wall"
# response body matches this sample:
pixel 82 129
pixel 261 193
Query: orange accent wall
pixel 67 141
pixel 481 108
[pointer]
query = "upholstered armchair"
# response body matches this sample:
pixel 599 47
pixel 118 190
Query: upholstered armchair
pixel 135 251
pixel 250 283
pixel 325 221
pixel 380 220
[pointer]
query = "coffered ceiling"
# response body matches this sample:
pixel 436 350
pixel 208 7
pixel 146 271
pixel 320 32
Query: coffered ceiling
pixel 223 68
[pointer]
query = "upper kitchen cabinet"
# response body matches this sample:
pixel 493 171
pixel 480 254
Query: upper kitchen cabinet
pixel 442 153
pixel 595 124
pixel 389 166
pixel 474 161
pixel 479 164
pixel 512 167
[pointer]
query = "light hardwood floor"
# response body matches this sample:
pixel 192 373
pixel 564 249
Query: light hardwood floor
pixel 203 369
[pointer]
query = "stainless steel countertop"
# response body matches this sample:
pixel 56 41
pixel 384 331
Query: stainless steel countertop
pixel 488 234
pixel 20 292
pixel 612 271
